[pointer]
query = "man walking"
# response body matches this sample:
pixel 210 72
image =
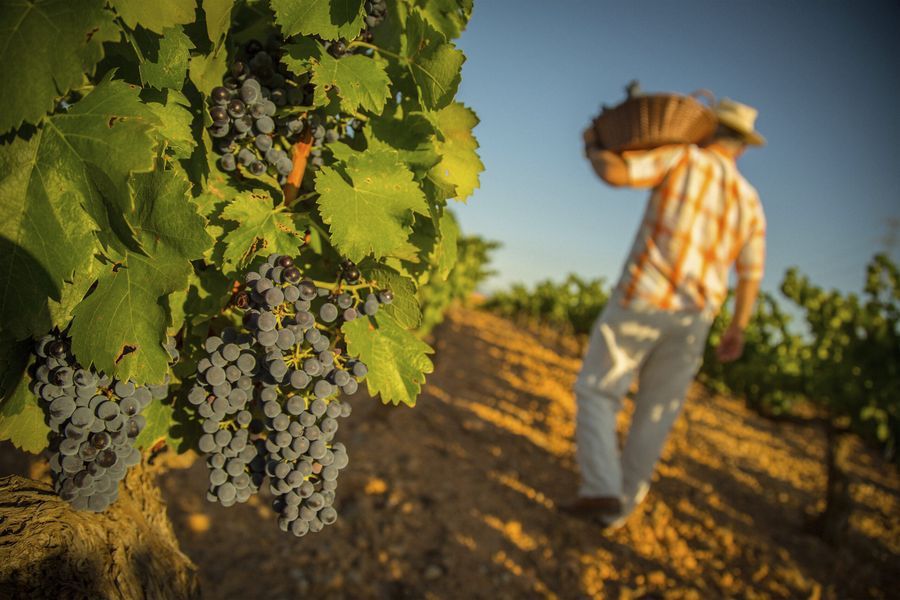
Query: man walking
pixel 702 217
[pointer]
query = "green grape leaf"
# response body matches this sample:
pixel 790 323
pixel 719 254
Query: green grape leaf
pixel 260 229
pixel 22 420
pixel 47 47
pixel 159 419
pixel 457 172
pixel 435 65
pixel 389 34
pixel 397 360
pixel 450 17
pixel 218 18
pixel 368 204
pixel 302 55
pixel 203 299
pixel 175 122
pixel 445 250
pixel 45 234
pixel 13 360
pixel 121 326
pixel 328 19
pixel 206 70
pixel 412 137
pixel 358 81
pixel 72 293
pixel 155 16
pixel 405 307
pixel 169 65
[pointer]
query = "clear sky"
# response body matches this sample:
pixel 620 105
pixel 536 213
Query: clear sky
pixel 825 76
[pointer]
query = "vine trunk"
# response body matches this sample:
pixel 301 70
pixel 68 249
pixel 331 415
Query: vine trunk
pixel 48 550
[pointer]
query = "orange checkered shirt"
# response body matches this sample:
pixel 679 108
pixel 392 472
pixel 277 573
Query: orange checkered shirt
pixel 702 217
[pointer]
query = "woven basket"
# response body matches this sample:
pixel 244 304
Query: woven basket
pixel 652 120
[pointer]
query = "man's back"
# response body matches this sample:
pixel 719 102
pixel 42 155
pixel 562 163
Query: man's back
pixel 702 216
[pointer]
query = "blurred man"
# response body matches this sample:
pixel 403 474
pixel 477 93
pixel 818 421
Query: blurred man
pixel 702 217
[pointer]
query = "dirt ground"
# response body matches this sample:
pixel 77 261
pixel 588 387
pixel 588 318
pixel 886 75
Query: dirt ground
pixel 455 499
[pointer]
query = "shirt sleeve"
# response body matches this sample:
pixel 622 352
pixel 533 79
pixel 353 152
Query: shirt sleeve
pixel 648 168
pixel 751 260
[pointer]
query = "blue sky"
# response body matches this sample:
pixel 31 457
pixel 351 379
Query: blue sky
pixel 825 76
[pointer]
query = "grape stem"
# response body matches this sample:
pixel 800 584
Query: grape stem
pixel 329 286
pixel 376 49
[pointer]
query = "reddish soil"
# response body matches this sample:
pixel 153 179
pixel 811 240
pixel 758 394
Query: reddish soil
pixel 456 499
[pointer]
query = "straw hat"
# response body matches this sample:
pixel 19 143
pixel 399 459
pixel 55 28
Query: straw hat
pixel 740 118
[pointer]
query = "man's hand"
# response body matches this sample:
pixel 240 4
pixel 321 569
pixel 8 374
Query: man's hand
pixel 731 346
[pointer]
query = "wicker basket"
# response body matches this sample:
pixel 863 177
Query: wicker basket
pixel 648 121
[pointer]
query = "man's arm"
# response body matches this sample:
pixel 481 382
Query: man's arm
pixel 744 299
pixel 609 166
pixel 732 345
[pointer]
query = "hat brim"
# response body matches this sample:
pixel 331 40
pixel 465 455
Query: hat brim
pixel 751 137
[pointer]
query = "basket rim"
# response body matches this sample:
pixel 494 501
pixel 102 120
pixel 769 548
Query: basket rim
pixel 664 96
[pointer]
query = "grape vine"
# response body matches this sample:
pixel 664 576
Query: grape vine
pixel 94 422
pixel 260 186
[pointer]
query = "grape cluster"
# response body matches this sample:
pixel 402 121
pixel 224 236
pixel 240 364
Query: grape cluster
pixel 94 421
pixel 246 121
pixel 255 121
pixel 302 462
pixel 222 394
pixel 269 395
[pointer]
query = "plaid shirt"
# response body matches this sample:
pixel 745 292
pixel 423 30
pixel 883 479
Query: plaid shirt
pixel 702 217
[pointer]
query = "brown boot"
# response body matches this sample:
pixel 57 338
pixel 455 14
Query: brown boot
pixel 593 506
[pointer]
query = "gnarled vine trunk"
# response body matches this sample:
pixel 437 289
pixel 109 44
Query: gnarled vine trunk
pixel 48 550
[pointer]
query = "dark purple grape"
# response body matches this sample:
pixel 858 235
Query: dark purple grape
pixel 265 124
pixel 243 125
pixel 237 108
pixel 284 166
pixel 337 49
pixel 219 115
pixel 351 273
pixel 57 349
pixel 257 167
pixel 100 440
pixel 238 69
pixel 106 458
pixel 220 95
pixel 263 142
pixel 292 275
pixel 227 162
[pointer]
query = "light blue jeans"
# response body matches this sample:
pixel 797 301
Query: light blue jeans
pixel 664 350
